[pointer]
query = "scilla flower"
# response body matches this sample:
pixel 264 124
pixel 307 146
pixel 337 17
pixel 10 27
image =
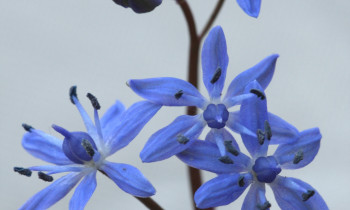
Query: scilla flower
pixel 82 154
pixel 139 6
pixel 167 91
pixel 261 169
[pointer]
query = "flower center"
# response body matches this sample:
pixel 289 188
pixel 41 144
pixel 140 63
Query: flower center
pixel 79 147
pixel 266 169
pixel 216 115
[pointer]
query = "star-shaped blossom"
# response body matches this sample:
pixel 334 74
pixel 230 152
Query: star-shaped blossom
pixel 167 91
pixel 139 6
pixel 261 169
pixel 82 154
pixel 250 7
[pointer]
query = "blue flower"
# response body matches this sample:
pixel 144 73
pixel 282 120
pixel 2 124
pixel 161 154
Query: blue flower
pixel 82 154
pixel 261 169
pixel 179 135
pixel 250 7
pixel 139 6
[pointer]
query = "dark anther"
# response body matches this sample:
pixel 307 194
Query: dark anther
pixel 45 177
pixel 308 195
pixel 258 93
pixel 23 171
pixel 94 101
pixel 299 156
pixel 264 206
pixel 27 127
pixel 230 148
pixel 182 139
pixel 73 93
pixel 88 147
pixel 268 132
pixel 226 159
pixel 216 76
pixel 178 94
pixel 241 181
pixel 261 136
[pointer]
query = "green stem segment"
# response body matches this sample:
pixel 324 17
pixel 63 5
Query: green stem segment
pixel 195 40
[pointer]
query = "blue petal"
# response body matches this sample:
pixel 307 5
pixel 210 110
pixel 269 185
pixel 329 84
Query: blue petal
pixel 236 100
pixel 253 114
pixel 45 147
pixel 130 124
pixel 139 6
pixel 255 197
pixel 53 169
pixel 164 143
pixel 250 7
pixel 221 190
pixel 214 62
pixel 129 179
pixel 205 155
pixel 111 117
pixel 53 193
pixel 300 153
pixel 282 131
pixel 168 91
pixel 262 72
pixel 289 195
pixel 83 192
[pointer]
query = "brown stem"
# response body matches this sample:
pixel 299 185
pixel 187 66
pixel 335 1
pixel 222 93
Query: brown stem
pixel 212 18
pixel 148 202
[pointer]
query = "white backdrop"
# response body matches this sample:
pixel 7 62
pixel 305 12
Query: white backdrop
pixel 48 46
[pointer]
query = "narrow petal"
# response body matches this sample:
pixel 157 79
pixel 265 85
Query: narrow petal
pixel 45 147
pixel 255 198
pixel 53 169
pixel 261 72
pixel 168 91
pixel 222 190
pixel 214 62
pixel 166 143
pixel 53 193
pixel 253 115
pixel 282 131
pixel 129 179
pixel 205 155
pixel 250 7
pixel 300 153
pixel 130 124
pixel 111 117
pixel 291 193
pixel 83 192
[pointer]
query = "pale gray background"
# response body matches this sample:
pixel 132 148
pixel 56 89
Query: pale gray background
pixel 47 46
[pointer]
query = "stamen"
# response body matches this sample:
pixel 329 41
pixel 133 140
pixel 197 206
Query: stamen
pixel 230 148
pixel 182 139
pixel 94 101
pixel 226 159
pixel 258 93
pixel 88 147
pixel 73 93
pixel 261 136
pixel 241 181
pixel 178 94
pixel 27 127
pixel 23 171
pixel 216 76
pixel 308 195
pixel 264 206
pixel 299 156
pixel 45 177
pixel 268 132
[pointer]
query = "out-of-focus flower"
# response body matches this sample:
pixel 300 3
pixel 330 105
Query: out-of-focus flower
pixel 250 7
pixel 139 6
pixel 82 154
pixel 167 91
pixel 261 169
